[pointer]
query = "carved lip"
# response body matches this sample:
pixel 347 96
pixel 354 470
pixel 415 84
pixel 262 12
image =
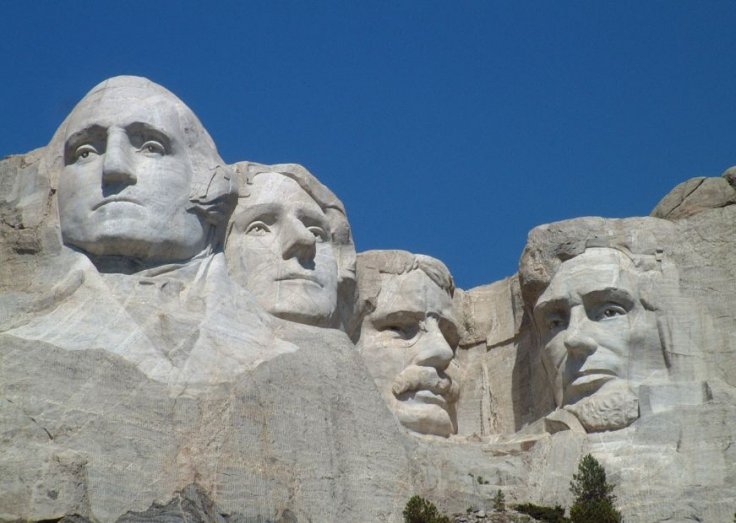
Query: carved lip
pixel 299 276
pixel 424 385
pixel 116 199
pixel 429 397
pixel 426 393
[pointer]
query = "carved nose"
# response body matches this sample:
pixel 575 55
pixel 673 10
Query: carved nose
pixel 117 166
pixel 298 241
pixel 434 351
pixel 577 340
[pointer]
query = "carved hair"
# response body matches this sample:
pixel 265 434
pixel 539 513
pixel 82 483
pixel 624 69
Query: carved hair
pixel 372 264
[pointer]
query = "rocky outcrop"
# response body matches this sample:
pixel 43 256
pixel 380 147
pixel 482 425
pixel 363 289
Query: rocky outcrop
pixel 222 360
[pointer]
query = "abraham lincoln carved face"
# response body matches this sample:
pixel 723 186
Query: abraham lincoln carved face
pixel 600 341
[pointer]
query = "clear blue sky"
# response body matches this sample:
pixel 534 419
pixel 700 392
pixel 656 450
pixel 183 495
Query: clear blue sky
pixel 447 128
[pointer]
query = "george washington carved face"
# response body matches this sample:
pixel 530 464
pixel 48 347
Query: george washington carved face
pixel 129 168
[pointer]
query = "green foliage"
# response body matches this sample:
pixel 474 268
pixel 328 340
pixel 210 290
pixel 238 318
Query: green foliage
pixel 480 480
pixel 420 510
pixel 594 499
pixel 543 513
pixel 499 501
pixel 598 511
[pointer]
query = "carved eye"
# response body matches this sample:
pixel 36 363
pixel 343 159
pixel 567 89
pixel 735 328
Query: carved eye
pixel 319 233
pixel 152 147
pixel 555 322
pixel 84 151
pixel 257 229
pixel 402 332
pixel 609 311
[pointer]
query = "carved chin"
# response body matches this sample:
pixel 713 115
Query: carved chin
pixel 611 408
pixel 301 313
pixel 425 419
pixel 299 301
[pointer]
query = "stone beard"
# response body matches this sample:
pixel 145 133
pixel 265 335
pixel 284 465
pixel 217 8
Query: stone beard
pixel 407 343
pixel 599 340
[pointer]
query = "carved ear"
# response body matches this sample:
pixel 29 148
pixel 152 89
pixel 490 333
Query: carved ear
pixel 214 198
pixel 345 263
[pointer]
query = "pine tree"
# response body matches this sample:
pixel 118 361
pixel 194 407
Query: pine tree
pixel 594 499
pixel 420 510
pixel 499 501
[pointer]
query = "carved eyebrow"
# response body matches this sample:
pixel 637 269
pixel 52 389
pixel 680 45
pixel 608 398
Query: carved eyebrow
pixel 609 294
pixel 146 131
pixel 552 304
pixel 260 211
pixel 313 217
pixel 400 317
pixel 95 133
pixel 416 316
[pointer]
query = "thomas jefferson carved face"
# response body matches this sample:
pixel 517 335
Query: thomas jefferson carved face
pixel 596 333
pixel 280 248
pixel 125 186
pixel 407 343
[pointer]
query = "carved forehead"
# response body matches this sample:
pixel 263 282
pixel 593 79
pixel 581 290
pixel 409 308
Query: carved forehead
pixel 413 292
pixel 274 187
pixel 396 262
pixel 594 270
pixel 122 104
pixel 324 197
pixel 123 100
pixel 273 194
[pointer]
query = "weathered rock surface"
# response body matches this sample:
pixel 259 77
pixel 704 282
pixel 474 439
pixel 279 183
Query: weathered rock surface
pixel 141 381
pixel 86 433
pixel 694 196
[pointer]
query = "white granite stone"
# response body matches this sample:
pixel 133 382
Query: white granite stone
pixel 184 338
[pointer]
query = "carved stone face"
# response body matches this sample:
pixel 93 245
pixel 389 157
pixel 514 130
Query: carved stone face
pixel 595 332
pixel 124 189
pixel 280 249
pixel 407 342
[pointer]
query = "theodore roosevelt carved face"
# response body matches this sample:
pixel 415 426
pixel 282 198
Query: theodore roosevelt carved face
pixel 132 154
pixel 288 245
pixel 408 336
pixel 600 340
